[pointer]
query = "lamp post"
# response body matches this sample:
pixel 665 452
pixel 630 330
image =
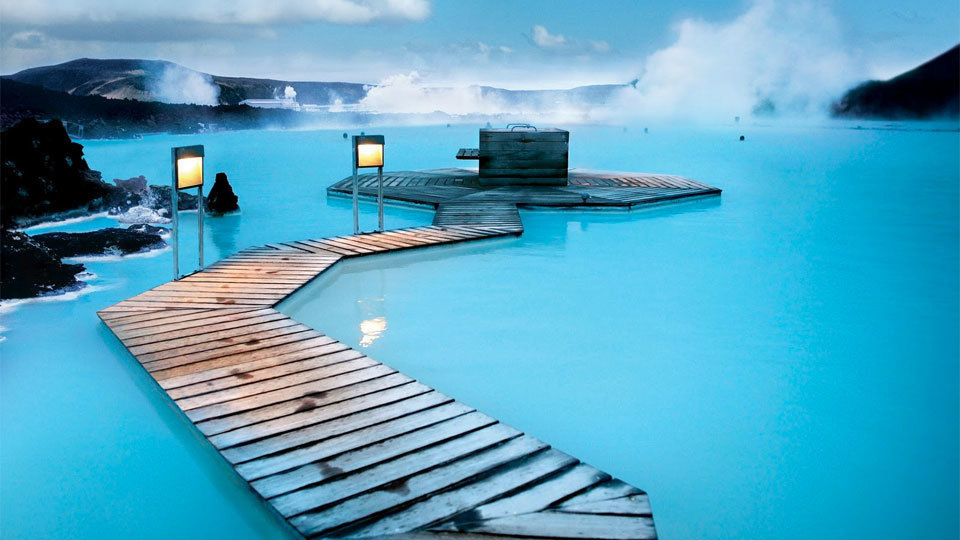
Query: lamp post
pixel 367 152
pixel 187 173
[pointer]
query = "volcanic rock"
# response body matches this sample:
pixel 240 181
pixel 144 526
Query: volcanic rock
pixel 28 268
pixel 112 241
pixel 221 199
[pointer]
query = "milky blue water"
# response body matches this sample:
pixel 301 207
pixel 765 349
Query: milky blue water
pixel 781 362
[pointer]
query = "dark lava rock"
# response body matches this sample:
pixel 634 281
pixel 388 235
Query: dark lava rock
pixel 28 269
pixel 160 198
pixel 112 241
pixel 221 198
pixel 43 174
pixel 929 91
pixel 136 185
pixel 146 228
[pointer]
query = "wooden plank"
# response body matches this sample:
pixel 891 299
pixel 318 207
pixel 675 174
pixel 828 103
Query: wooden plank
pixel 549 524
pixel 273 353
pixel 325 449
pixel 355 459
pixel 463 499
pixel 192 343
pixel 350 371
pixel 613 489
pixel 536 497
pixel 336 426
pixel 312 408
pixel 241 367
pixel 381 475
pixel 161 316
pixel 336 354
pixel 252 343
pixel 631 505
pixel 233 401
pixel 160 305
pixel 406 490
pixel 142 336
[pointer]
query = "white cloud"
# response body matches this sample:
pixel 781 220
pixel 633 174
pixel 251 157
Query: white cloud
pixel 252 12
pixel 30 39
pixel 791 54
pixel 545 40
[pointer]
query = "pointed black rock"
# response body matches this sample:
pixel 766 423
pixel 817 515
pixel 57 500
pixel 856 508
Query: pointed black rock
pixel 221 198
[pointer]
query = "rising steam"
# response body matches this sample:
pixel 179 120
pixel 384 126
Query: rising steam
pixel 777 58
pixel 178 84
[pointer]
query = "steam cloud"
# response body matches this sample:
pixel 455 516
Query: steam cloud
pixel 777 57
pixel 403 94
pixel 178 84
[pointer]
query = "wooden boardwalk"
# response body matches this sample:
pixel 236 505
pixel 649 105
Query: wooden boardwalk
pixel 586 188
pixel 338 444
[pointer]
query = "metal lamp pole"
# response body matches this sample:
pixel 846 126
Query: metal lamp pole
pixel 192 177
pixel 380 197
pixel 356 192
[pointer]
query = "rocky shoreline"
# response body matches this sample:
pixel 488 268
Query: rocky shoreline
pixel 43 178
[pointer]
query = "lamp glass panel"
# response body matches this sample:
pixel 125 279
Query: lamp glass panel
pixel 369 155
pixel 189 172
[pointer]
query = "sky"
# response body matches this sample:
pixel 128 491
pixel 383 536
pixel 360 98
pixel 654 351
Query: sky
pixel 512 44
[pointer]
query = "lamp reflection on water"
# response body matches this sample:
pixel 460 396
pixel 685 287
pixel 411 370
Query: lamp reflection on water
pixel 372 330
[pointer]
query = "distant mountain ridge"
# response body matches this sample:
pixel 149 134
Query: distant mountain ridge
pixel 141 79
pixel 931 90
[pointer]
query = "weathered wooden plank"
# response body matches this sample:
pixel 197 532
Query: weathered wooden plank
pixel 548 524
pixel 293 382
pixel 536 497
pixel 252 343
pixel 150 334
pixel 463 499
pixel 337 354
pixel 244 366
pixel 336 426
pixel 613 489
pixel 160 305
pixel 234 401
pixel 381 475
pixel 312 408
pixel 191 343
pixel 406 490
pixel 325 449
pixel 631 505
pixel 275 352
pixel 316 472
pixel 160 316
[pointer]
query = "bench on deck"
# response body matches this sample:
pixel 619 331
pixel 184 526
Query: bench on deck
pixel 468 153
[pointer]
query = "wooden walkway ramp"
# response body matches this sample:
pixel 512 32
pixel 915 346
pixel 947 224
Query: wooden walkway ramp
pixel 338 444
pixel 496 214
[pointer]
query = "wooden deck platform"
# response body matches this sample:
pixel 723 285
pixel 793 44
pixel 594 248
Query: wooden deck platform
pixel 338 444
pixel 586 188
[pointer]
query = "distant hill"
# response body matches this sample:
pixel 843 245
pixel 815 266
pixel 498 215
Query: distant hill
pixel 119 118
pixel 929 91
pixel 159 80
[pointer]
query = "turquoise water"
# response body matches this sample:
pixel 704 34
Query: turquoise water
pixel 778 363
